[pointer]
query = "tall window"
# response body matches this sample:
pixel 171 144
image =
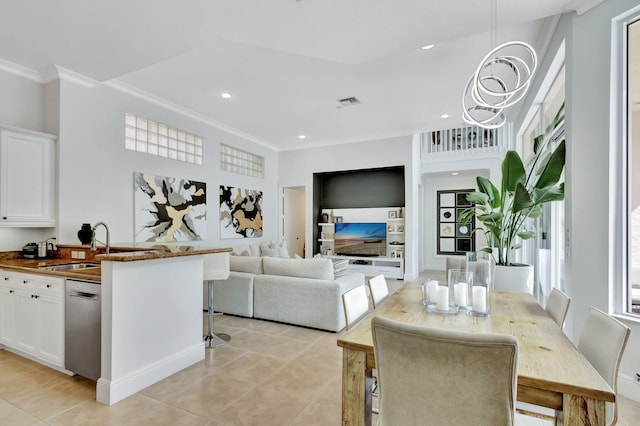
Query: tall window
pixel 546 250
pixel 632 302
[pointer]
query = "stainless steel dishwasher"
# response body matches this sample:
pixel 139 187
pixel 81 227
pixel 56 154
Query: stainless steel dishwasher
pixel 82 328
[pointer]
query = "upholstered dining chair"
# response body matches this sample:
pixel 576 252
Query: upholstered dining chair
pixel 602 341
pixel 378 289
pixel 443 377
pixel 558 306
pixel 356 305
pixel 455 262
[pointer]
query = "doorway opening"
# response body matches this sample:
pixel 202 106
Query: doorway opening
pixel 293 219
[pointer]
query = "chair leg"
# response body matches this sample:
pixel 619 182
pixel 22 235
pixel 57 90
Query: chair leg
pixel 213 340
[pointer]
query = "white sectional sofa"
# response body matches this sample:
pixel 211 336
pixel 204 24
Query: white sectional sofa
pixel 294 291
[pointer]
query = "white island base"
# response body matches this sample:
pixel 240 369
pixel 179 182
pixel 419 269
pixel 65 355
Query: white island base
pixel 151 322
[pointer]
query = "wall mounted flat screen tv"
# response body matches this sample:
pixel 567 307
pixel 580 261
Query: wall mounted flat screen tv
pixel 361 239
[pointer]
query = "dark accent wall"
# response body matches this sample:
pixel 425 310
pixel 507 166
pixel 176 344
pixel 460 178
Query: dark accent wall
pixel 383 187
pixel 351 189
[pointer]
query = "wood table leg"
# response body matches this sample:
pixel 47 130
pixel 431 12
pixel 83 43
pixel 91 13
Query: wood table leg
pixel 356 389
pixel 578 410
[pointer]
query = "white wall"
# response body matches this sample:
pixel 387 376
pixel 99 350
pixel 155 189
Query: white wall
pixel 22 102
pixel 96 171
pixel 589 276
pixel 298 167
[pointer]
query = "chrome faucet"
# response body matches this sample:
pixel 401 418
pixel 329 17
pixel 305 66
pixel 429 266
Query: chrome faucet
pixel 93 236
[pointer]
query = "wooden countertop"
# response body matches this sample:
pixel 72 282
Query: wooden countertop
pixel 161 252
pixel 122 253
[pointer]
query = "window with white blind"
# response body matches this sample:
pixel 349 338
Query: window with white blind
pixel 151 137
pixel 242 162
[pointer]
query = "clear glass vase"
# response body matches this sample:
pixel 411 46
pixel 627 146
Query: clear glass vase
pixel 481 265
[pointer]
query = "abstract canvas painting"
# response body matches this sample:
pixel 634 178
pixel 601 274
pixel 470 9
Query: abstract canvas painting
pixel 169 209
pixel 240 213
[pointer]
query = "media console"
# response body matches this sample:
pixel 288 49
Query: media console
pixel 390 267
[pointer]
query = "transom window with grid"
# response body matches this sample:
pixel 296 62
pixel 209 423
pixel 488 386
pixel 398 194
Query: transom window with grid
pixel 242 162
pixel 151 137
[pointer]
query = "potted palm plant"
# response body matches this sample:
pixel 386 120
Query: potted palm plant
pixel 524 189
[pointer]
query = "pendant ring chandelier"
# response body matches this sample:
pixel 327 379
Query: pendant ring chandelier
pixel 500 81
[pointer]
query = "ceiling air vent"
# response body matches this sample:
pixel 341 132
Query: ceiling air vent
pixel 348 101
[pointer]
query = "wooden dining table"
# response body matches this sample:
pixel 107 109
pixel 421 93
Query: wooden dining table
pixel 551 371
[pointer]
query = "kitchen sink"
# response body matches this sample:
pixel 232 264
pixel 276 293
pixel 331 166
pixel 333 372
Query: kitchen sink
pixel 71 266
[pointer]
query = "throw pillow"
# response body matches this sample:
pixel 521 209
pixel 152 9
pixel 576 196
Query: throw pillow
pixel 268 251
pixel 282 249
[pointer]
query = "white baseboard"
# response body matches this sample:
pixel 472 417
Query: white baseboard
pixel 628 387
pixel 111 391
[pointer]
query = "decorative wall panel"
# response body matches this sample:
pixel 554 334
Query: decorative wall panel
pixel 453 237
pixel 168 209
pixel 240 213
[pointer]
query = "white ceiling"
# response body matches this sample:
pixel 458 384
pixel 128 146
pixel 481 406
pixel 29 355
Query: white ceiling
pixel 285 62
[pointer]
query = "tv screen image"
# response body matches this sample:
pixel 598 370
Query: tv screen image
pixel 361 239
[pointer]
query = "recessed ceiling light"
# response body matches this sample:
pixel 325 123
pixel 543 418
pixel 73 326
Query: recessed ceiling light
pixel 454 173
pixel 428 46
pixel 444 116
pixel 302 136
pixel 225 95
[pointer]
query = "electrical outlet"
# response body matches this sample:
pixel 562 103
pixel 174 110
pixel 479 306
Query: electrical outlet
pixel 74 254
pixel 81 254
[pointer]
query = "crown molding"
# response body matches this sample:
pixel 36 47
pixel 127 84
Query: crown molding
pixel 582 6
pixel 56 72
pixel 156 100
pixel 20 71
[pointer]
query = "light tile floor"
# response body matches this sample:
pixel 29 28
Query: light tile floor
pixel 269 374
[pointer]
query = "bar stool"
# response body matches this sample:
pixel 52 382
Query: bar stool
pixel 216 267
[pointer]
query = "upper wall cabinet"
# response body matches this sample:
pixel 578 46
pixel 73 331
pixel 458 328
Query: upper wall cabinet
pixel 27 178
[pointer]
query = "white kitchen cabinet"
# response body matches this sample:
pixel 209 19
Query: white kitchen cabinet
pixel 36 325
pixel 8 303
pixel 27 178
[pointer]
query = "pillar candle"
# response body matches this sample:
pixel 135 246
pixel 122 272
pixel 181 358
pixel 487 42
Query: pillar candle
pixel 432 289
pixel 461 291
pixel 479 299
pixel 442 298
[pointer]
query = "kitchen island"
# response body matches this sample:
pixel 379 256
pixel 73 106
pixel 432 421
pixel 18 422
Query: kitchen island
pixel 151 316
pixel 151 310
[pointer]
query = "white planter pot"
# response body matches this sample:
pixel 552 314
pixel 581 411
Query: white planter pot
pixel 516 278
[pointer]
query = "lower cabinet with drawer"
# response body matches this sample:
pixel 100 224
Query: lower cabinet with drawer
pixel 32 317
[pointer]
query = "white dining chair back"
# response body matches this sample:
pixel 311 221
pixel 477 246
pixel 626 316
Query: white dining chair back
pixel 558 306
pixel 602 341
pixel 419 373
pixel 356 305
pixel 378 289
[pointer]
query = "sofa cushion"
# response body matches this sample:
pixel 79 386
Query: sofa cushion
pixel 302 268
pixel 250 264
